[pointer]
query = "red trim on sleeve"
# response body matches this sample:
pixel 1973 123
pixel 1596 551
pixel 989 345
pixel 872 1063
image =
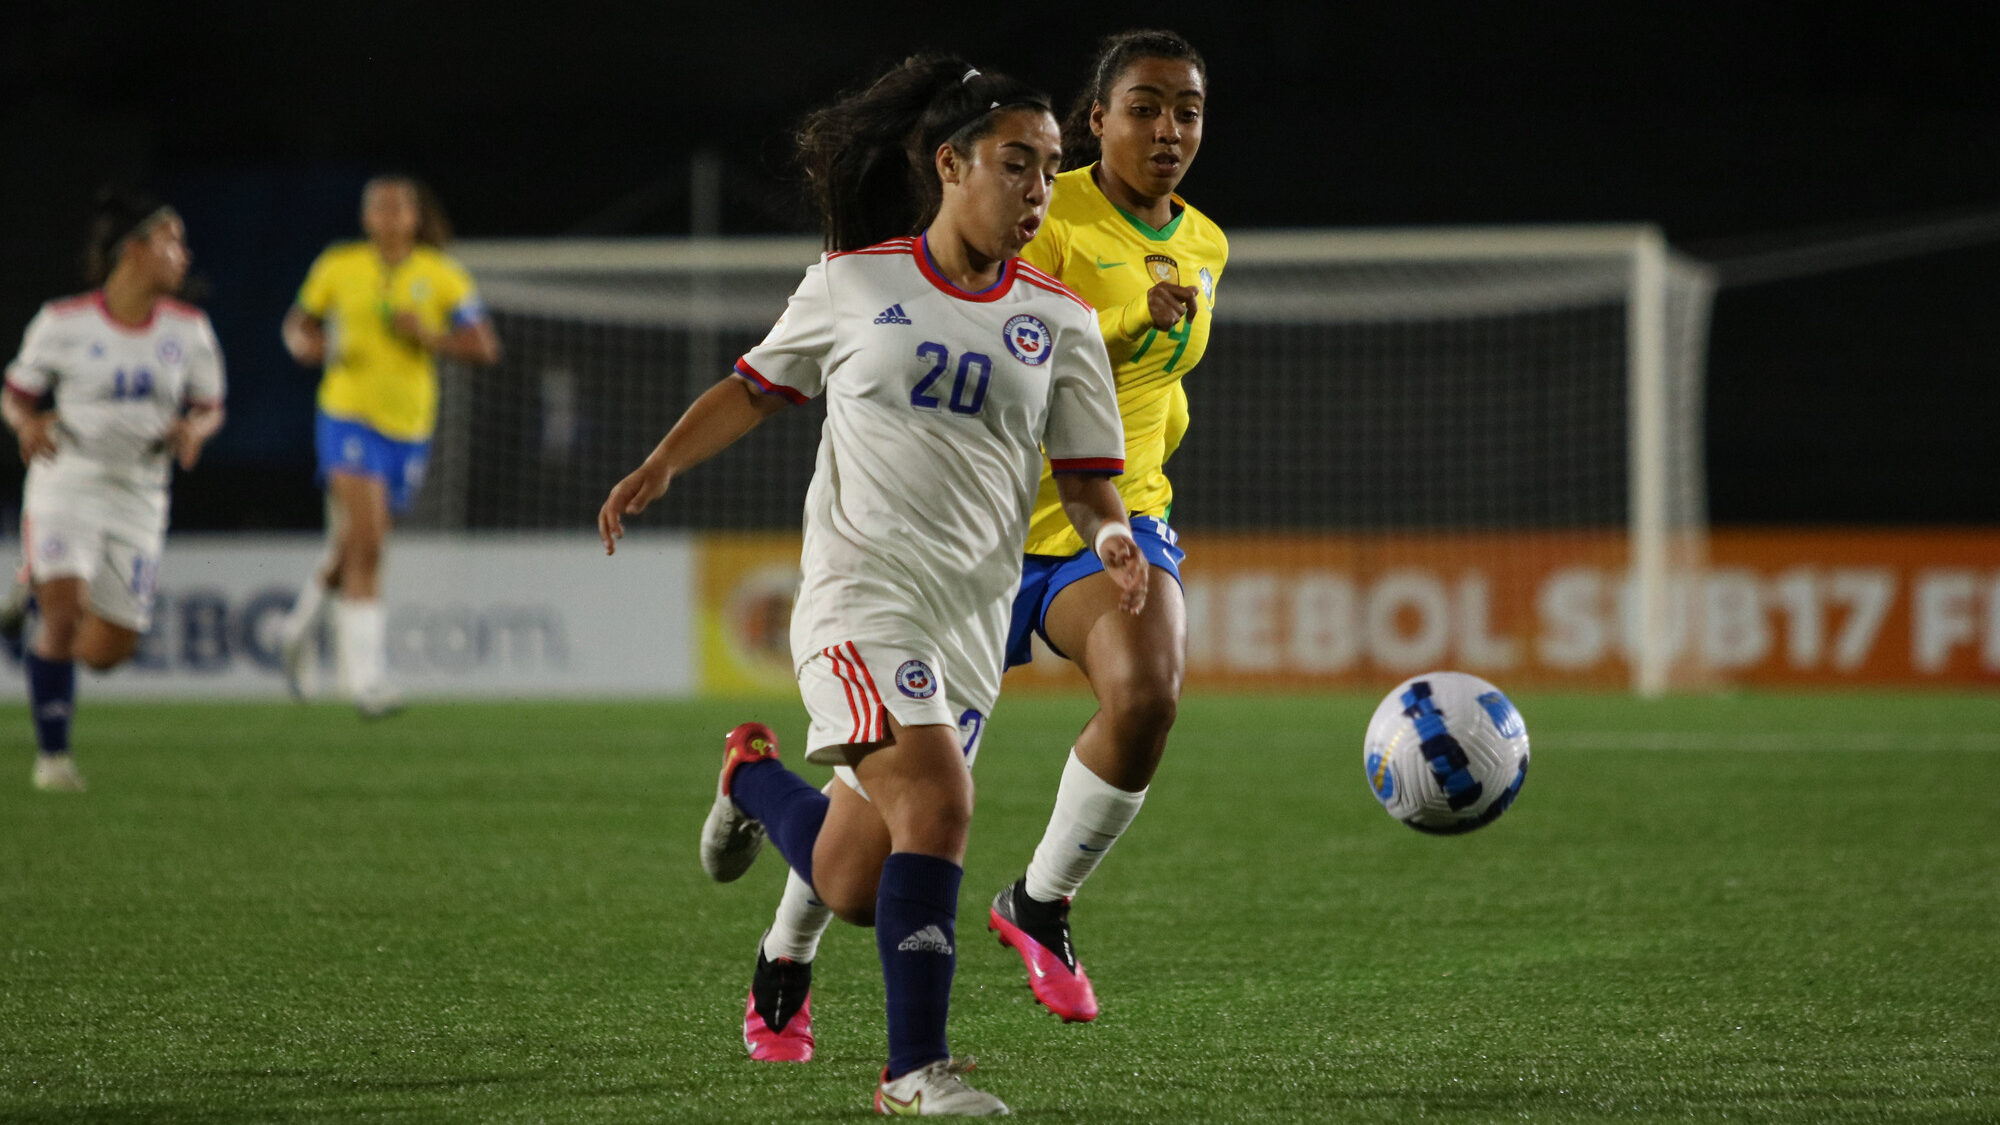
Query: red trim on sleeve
pixel 1036 277
pixel 744 369
pixel 23 391
pixel 890 246
pixel 1112 465
pixel 204 403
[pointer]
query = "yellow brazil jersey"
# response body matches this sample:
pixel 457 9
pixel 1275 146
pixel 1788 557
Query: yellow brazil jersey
pixel 1110 258
pixel 374 376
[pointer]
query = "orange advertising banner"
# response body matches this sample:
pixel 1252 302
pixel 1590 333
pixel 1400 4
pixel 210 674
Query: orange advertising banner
pixel 1769 608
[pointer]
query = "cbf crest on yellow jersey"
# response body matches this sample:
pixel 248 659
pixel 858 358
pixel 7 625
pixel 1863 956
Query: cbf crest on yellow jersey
pixel 1111 258
pixel 374 376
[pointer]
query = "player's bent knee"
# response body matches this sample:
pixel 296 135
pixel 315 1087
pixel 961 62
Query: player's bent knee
pixel 1142 703
pixel 103 647
pixel 851 899
pixel 863 916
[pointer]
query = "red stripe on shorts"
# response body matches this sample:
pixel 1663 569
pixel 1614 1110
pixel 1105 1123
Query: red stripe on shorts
pixel 875 717
pixel 850 687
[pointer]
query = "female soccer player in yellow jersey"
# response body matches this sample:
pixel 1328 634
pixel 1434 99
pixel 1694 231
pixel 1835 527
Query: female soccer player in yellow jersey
pixel 375 313
pixel 1148 263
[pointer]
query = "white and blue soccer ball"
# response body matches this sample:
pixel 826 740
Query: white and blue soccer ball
pixel 1446 753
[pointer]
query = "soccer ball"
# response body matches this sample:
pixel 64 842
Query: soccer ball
pixel 1446 753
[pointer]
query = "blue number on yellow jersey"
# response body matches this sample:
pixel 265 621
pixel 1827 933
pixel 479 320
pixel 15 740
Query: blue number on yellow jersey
pixel 1111 258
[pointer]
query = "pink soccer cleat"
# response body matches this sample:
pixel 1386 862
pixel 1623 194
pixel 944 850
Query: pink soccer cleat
pixel 778 1022
pixel 1039 932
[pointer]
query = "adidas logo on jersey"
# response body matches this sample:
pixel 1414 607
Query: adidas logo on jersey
pixel 892 315
pixel 930 939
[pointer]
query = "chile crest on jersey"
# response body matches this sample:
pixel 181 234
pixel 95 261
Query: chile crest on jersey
pixel 1028 339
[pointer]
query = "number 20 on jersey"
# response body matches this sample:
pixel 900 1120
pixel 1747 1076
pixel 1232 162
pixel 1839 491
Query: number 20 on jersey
pixel 968 384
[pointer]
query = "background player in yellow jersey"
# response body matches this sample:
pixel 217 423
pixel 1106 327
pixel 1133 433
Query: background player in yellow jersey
pixel 375 313
pixel 1149 263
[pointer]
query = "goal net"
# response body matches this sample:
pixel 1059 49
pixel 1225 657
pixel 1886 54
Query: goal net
pixel 1473 448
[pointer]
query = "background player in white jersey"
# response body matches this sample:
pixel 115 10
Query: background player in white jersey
pixel 948 365
pixel 109 387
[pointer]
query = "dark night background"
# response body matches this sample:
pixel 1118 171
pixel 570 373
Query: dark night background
pixel 1860 394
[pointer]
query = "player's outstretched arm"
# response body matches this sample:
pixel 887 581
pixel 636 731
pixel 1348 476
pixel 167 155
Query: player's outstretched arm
pixel 1097 512
pixel 723 413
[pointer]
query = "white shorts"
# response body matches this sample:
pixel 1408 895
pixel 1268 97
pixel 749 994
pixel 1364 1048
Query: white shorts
pixel 971 724
pixel 848 688
pixel 110 542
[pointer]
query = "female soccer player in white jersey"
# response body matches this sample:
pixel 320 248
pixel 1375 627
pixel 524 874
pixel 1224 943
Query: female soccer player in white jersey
pixel 110 389
pixel 376 314
pixel 948 365
pixel 1118 235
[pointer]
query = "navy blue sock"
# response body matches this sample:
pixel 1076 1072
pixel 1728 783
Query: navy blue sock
pixel 52 698
pixel 788 807
pixel 916 934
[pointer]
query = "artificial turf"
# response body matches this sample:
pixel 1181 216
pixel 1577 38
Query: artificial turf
pixel 1745 908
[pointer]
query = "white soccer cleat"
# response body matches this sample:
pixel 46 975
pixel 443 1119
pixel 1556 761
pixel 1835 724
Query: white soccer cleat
pixel 378 701
pixel 936 1090
pixel 730 839
pixel 57 773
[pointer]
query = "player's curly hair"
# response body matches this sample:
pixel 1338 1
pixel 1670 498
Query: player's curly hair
pixel 869 158
pixel 433 224
pixel 1114 54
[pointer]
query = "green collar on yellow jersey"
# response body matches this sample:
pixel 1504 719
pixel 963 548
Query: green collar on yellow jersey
pixel 1146 229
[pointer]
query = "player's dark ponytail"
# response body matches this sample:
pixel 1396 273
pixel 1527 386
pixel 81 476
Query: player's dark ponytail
pixel 868 157
pixel 117 214
pixel 1114 54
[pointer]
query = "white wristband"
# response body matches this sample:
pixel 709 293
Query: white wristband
pixel 1112 529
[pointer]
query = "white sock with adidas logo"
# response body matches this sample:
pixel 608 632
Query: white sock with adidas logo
pixel 1090 815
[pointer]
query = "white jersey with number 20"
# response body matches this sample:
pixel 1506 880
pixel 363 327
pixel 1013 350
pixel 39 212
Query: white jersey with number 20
pixel 939 405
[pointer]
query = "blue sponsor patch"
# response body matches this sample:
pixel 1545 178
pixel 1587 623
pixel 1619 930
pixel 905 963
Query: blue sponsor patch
pixel 1028 339
pixel 1381 777
pixel 916 680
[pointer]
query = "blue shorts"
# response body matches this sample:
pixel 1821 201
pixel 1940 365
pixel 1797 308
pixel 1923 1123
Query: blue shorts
pixel 347 446
pixel 1045 576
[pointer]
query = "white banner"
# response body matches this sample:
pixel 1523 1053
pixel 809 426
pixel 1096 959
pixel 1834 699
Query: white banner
pixel 532 616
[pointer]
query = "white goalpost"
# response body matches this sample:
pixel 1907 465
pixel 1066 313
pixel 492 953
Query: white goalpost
pixel 1490 397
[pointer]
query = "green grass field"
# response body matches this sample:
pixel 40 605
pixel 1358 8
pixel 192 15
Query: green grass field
pixel 1753 908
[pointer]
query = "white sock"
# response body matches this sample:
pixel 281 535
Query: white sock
pixel 309 609
pixel 801 919
pixel 1091 813
pixel 361 637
